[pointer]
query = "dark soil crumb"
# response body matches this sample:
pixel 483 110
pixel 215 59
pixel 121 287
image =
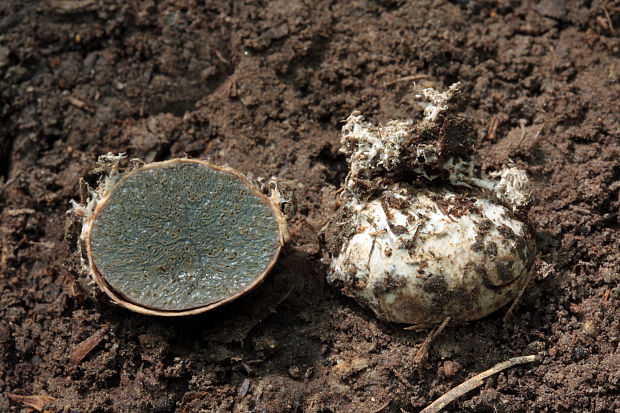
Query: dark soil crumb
pixel 264 88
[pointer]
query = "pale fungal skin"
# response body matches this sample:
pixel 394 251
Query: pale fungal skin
pixel 513 188
pixel 439 255
pixel 187 256
pixel 453 246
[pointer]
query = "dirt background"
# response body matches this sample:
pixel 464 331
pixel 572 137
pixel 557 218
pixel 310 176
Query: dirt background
pixel 264 87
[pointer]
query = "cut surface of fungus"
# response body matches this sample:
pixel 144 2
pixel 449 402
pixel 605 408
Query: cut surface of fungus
pixel 180 237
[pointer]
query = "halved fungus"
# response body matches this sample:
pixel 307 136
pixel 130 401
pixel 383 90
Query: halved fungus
pixel 180 237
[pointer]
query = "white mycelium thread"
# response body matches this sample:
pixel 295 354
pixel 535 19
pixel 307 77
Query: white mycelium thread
pixel 373 148
pixel 438 101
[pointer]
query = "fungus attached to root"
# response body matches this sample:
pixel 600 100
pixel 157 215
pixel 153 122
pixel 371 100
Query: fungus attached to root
pixel 452 245
pixel 179 237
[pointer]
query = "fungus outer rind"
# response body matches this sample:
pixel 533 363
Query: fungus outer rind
pixel 183 231
pixel 439 255
pixel 438 101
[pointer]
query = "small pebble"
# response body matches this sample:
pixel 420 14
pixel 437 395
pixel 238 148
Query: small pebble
pixel 245 386
pixel 450 368
pixel 591 328
pixel 294 372
pixel 4 56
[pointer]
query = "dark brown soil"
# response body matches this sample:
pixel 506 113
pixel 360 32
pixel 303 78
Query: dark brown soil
pixel 264 88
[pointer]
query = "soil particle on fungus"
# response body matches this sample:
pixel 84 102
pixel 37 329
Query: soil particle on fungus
pixel 267 87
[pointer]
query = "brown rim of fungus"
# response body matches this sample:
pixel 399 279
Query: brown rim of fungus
pixel 119 299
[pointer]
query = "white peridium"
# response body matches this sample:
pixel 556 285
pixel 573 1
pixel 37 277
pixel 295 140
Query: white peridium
pixel 374 149
pixel 438 254
pixel 109 162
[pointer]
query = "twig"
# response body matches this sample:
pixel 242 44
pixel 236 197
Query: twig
pixel 7 183
pixel 79 104
pixel 37 402
pixel 82 349
pixel 44 244
pixel 422 354
pixel 492 131
pixel 372 249
pixel 611 25
pixel 4 255
pixel 21 211
pixel 406 79
pixel 523 134
pixel 232 87
pixel 219 56
pixel 475 382
pixel 402 378
pixel 69 6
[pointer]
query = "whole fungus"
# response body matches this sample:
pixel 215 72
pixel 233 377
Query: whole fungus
pixel 420 237
pixel 179 237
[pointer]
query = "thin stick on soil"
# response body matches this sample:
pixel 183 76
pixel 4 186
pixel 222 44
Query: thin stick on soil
pixel 82 349
pixel 475 382
pixel 406 79
pixel 492 131
pixel 422 354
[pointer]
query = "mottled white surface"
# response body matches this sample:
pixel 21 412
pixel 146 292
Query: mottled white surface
pixel 430 259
